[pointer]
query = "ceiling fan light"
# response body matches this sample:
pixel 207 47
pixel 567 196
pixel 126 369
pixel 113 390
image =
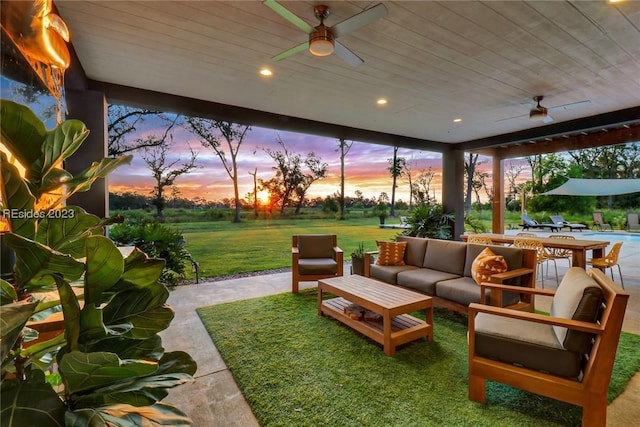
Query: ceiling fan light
pixel 321 41
pixel 537 114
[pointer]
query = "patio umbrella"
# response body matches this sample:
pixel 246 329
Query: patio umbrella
pixel 595 187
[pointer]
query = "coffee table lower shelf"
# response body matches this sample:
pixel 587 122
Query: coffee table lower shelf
pixel 404 327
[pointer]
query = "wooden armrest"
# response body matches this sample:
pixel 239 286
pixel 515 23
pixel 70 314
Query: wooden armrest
pixel 577 325
pixel 519 289
pixel 337 249
pixel 295 250
pixel 501 277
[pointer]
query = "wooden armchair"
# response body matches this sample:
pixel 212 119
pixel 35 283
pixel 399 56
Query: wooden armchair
pixel 566 356
pixel 315 257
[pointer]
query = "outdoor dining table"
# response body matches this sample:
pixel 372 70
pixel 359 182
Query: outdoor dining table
pixel 578 247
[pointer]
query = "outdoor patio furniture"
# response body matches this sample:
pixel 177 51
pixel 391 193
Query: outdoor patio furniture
pixel 598 222
pixel 542 254
pixel 481 240
pixel 560 253
pixel 528 222
pixel 559 220
pixel 632 222
pixel 567 356
pixel 314 257
pixel 609 261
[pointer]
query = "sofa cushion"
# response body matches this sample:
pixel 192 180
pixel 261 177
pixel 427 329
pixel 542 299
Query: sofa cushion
pixel 487 264
pixel 423 279
pixel 315 245
pixel 529 344
pixel 445 255
pixel 388 273
pixel 513 256
pixel 416 247
pixel 390 253
pixel 579 298
pixel 464 290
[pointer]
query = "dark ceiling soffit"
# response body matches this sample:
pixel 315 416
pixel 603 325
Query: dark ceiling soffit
pixel 622 135
pixel 586 124
pixel 194 107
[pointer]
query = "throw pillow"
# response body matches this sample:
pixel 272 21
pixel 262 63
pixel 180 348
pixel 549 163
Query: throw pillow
pixel 487 264
pixel 391 253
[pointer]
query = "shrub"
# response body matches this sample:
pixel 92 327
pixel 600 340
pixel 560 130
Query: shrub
pixel 429 220
pixel 158 241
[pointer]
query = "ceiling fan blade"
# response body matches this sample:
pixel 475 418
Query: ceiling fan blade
pixel 346 55
pixel 569 106
pixel 287 53
pixel 288 15
pixel 359 20
pixel 547 119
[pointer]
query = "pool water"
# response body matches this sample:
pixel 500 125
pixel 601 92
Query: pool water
pixel 614 237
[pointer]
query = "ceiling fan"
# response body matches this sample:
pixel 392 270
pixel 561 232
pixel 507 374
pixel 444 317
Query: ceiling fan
pixel 322 39
pixel 541 113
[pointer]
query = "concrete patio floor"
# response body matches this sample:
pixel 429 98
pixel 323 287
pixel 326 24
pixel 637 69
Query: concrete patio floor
pixel 214 398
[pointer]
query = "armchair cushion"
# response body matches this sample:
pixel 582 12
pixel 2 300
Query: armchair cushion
pixel 486 264
pixel 315 266
pixel 391 253
pixel 315 246
pixel 579 298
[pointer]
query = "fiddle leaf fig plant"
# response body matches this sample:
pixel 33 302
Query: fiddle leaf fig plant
pixel 112 366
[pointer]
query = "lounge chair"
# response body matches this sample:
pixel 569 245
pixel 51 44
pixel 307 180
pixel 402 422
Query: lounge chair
pixel 528 222
pixel 632 222
pixel 559 220
pixel 598 222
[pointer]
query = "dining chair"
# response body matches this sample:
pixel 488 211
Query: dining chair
pixel 609 261
pixel 560 253
pixel 541 257
pixel 521 234
pixel 481 240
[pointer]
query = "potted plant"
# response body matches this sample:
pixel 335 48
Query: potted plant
pixel 111 366
pixel 381 210
pixel 357 260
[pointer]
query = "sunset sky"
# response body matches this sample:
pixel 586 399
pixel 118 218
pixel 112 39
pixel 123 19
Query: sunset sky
pixel 365 166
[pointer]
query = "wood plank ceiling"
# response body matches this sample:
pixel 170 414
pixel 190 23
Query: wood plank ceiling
pixel 434 62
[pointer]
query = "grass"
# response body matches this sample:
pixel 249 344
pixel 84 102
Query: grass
pixel 224 248
pixel 296 368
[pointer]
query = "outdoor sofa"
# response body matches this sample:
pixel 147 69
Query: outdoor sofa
pixel 442 270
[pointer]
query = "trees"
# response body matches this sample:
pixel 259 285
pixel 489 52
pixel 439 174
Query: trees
pixel 396 167
pixel 422 187
pixel 211 132
pixel 123 122
pixel 290 179
pixel 161 169
pixel 344 148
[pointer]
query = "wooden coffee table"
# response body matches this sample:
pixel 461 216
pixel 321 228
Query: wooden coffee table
pixel 391 302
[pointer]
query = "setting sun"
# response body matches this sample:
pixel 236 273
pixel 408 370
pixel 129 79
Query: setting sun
pixel 263 197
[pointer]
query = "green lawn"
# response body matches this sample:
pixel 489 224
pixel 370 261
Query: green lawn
pixel 223 247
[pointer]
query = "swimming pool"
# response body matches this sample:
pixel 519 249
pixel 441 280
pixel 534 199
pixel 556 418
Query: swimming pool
pixel 614 237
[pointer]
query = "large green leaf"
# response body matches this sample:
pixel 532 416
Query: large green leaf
pixel 23 133
pixel 141 271
pixel 93 329
pixel 34 262
pixel 30 403
pixel 87 371
pixel 15 196
pixel 127 348
pixel 104 266
pixel 71 312
pixel 67 229
pixel 13 317
pixel 61 143
pixel 144 308
pixel 7 293
pixel 85 179
pixel 128 416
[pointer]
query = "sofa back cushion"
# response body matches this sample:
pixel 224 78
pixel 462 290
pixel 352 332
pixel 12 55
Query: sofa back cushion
pixel 445 255
pixel 513 256
pixel 315 245
pixel 579 298
pixel 416 247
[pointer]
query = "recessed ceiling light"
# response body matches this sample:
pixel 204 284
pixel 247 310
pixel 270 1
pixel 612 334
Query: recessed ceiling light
pixel 381 101
pixel 266 72
pixel 457 120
